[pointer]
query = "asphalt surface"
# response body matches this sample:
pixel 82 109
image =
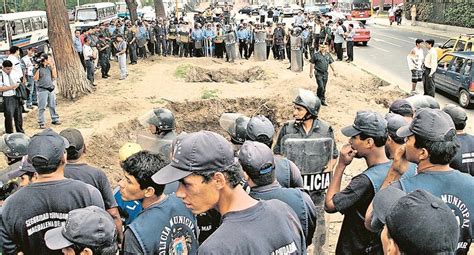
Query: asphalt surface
pixel 385 56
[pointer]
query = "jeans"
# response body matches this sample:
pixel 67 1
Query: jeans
pixel 12 112
pixel 46 98
pixel 90 70
pixel 33 91
pixel 132 51
pixel 122 61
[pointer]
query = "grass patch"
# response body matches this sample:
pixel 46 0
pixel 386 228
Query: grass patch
pixel 210 94
pixel 182 70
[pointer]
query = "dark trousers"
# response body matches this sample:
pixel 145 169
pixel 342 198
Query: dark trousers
pixel 251 47
pixel 280 49
pixel 142 51
pixel 151 47
pixel 90 70
pixel 161 47
pixel 338 49
pixel 270 48
pixel 288 52
pixel 428 84
pixel 132 52
pixel 321 81
pixel 83 62
pixel 219 50
pixel 350 50
pixel 104 64
pixel 12 112
pixel 275 19
pixel 243 49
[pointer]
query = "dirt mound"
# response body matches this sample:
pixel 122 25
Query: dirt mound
pixel 199 74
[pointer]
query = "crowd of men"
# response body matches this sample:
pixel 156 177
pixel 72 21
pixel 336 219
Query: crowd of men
pixel 198 192
pixel 213 33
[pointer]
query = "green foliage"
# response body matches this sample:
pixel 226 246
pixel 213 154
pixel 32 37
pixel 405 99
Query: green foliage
pixel 182 70
pixel 210 94
pixel 460 14
pixel 35 5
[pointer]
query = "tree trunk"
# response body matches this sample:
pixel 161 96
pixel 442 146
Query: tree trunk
pixel 159 9
pixel 132 8
pixel 72 80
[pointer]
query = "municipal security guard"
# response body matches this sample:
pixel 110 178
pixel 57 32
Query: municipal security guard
pixel 261 129
pixel 104 52
pixel 320 62
pixel 259 165
pixel 307 125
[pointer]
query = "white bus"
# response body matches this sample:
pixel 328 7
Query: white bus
pixel 90 15
pixel 24 30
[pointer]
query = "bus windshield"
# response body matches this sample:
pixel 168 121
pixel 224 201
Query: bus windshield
pixel 86 14
pixel 361 6
pixel 3 30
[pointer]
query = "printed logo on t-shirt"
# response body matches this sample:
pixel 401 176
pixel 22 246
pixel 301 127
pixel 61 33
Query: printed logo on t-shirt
pixel 45 221
pixel 287 249
pixel 462 213
pixel 179 235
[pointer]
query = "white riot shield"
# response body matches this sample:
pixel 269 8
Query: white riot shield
pixel 311 156
pixel 296 53
pixel 154 144
pixel 260 48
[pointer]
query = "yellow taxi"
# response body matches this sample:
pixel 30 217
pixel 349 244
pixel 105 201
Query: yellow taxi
pixel 464 42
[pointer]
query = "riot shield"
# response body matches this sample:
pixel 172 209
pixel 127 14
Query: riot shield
pixel 154 144
pixel 260 48
pixel 235 124
pixel 311 156
pixel 296 53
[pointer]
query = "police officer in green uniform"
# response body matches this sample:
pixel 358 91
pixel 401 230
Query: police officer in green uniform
pixel 320 63
pixel 104 56
pixel 308 125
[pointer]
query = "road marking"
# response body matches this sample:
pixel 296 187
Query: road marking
pixel 379 48
pixel 396 38
pixel 381 40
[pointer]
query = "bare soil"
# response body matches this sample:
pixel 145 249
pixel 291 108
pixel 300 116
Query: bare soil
pixel 108 117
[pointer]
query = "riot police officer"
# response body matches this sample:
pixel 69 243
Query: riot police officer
pixel 320 63
pixel 261 129
pixel 235 124
pixel 14 146
pixel 161 124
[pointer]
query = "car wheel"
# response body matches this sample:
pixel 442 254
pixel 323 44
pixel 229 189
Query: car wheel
pixel 463 98
pixel 364 43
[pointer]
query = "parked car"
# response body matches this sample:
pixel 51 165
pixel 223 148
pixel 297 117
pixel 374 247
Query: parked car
pixel 255 9
pixel 312 9
pixel 464 42
pixel 454 76
pixel 362 34
pixel 323 8
pixel 287 11
pixel 246 10
pixel 296 8
pixel 386 7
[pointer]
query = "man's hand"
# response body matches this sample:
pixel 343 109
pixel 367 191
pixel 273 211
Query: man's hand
pixel 346 155
pixel 400 162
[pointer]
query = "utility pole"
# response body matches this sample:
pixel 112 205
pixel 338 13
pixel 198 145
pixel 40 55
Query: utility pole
pixel 5 6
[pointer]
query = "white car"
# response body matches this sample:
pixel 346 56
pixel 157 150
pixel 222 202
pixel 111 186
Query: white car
pixel 287 11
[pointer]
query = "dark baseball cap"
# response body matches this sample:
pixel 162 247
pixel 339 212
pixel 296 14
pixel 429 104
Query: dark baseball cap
pixel 24 168
pixel 91 226
pixel 418 222
pixel 457 113
pixel 74 138
pixel 431 124
pixel 402 107
pixel 394 122
pixel 195 152
pixel 256 158
pixel 260 125
pixel 46 148
pixel 368 122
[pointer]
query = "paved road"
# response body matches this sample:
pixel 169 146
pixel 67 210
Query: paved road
pixel 385 56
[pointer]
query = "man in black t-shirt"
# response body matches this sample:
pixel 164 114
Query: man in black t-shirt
pixel 80 171
pixel 368 136
pixel 464 159
pixel 44 204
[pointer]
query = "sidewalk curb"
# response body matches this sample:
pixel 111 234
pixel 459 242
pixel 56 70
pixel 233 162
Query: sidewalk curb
pixel 438 32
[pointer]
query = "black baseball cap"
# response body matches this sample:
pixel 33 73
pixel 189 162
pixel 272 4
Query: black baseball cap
pixel 196 152
pixel 260 125
pixel 74 138
pixel 367 122
pixel 431 124
pixel 256 158
pixel 46 148
pixel 457 113
pixel 402 107
pixel 24 168
pixel 394 122
pixel 418 222
pixel 91 226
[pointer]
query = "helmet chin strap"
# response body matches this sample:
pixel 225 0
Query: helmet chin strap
pixel 306 117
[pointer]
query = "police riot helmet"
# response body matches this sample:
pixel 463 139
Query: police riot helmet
pixel 297 31
pixel 260 125
pixel 309 101
pixel 15 145
pixel 163 119
pixel 235 124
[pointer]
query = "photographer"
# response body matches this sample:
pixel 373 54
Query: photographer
pixel 44 76
pixel 89 57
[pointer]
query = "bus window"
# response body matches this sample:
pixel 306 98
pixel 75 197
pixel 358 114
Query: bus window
pixel 44 20
pixel 27 24
pixel 3 31
pixel 17 27
pixel 37 23
pixel 361 6
pixel 86 14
